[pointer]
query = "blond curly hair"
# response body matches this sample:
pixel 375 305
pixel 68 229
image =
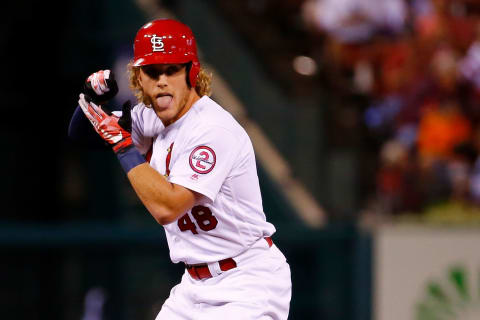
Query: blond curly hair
pixel 203 87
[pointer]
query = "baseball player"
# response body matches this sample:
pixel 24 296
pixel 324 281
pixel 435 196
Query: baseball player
pixel 193 167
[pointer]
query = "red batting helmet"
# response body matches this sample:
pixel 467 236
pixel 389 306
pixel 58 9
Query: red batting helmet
pixel 166 41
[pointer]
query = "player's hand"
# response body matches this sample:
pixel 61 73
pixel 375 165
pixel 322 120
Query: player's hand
pixel 109 126
pixel 101 86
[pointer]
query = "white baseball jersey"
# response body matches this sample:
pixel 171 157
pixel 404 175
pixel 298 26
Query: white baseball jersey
pixel 206 151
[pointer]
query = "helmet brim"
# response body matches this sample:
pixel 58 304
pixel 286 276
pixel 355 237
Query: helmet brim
pixel 160 59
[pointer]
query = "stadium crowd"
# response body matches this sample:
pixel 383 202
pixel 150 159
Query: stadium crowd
pixel 417 65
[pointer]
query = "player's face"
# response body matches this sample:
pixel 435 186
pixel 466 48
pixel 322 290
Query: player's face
pixel 165 86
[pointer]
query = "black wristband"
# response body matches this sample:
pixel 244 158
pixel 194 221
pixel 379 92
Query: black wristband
pixel 130 158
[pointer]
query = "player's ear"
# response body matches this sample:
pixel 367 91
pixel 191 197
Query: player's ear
pixel 138 77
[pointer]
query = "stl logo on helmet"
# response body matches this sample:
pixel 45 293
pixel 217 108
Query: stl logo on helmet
pixel 202 159
pixel 157 43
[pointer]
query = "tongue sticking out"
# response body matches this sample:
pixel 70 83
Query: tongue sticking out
pixel 164 101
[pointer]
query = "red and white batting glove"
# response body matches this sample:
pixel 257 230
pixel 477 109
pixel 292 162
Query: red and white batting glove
pixel 97 80
pixel 107 126
pixel 101 86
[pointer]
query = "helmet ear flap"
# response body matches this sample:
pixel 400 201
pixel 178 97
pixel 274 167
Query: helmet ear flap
pixel 193 68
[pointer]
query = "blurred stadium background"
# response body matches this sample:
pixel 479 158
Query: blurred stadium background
pixel 365 116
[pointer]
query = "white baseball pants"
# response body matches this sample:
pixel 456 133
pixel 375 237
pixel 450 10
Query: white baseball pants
pixel 258 288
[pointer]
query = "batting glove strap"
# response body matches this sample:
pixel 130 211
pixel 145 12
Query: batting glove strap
pixel 130 158
pixel 122 145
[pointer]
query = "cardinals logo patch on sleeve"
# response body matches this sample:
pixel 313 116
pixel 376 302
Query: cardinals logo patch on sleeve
pixel 202 159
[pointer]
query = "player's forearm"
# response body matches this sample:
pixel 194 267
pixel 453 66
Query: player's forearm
pixel 164 200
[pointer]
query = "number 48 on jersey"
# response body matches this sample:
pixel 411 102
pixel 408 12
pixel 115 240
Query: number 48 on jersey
pixel 203 217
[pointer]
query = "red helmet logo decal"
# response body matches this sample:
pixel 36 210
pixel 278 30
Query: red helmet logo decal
pixel 157 43
pixel 202 159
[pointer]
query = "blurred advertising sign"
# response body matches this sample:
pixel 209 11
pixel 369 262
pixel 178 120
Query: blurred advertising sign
pixel 426 273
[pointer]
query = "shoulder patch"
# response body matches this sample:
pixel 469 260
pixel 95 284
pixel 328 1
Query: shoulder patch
pixel 202 159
